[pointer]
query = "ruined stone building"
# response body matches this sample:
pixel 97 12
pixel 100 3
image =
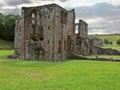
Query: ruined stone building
pixel 44 30
pixel 50 31
pixel 81 40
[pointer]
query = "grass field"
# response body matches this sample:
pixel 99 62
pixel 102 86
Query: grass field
pixel 5 53
pixel 68 75
pixel 111 38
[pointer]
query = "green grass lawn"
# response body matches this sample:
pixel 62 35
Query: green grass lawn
pixel 5 53
pixel 68 75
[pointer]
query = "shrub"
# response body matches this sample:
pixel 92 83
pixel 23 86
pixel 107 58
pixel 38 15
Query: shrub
pixel 106 41
pixel 118 42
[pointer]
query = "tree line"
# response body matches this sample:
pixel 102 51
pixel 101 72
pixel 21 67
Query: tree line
pixel 7 26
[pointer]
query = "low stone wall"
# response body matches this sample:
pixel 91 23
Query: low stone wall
pixel 104 51
pixel 81 57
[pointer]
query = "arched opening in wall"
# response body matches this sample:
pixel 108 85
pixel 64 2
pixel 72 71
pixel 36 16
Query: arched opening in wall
pixel 59 47
pixel 33 18
pixel 38 52
pixel 76 29
pixel 42 54
pixel 33 15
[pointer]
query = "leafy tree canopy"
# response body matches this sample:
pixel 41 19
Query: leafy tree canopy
pixel 7 26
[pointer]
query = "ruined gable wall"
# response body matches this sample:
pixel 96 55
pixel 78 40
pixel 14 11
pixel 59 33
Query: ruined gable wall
pixel 54 25
pixel 46 23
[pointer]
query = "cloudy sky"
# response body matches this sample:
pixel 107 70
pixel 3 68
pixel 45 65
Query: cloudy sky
pixel 102 16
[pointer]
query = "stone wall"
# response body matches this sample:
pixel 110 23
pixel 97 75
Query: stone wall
pixel 105 51
pixel 81 41
pixel 44 30
pixel 82 29
pixel 94 42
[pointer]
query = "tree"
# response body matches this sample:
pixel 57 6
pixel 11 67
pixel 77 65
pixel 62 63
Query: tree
pixel 2 24
pixel 118 42
pixel 8 33
pixel 111 43
pixel 106 41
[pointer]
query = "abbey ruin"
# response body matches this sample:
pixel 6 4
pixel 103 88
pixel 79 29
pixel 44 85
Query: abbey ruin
pixel 50 31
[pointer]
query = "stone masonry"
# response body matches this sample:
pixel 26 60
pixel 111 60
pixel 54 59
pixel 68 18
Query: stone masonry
pixel 49 31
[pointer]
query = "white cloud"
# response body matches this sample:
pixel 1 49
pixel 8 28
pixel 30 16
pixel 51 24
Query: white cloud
pixel 8 7
pixel 93 20
pixel 103 16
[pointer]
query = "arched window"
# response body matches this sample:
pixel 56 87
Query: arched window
pixel 33 15
pixel 33 18
pixel 76 29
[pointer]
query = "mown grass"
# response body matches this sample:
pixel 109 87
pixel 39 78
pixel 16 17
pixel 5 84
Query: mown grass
pixel 68 75
pixel 6 44
pixel 5 53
